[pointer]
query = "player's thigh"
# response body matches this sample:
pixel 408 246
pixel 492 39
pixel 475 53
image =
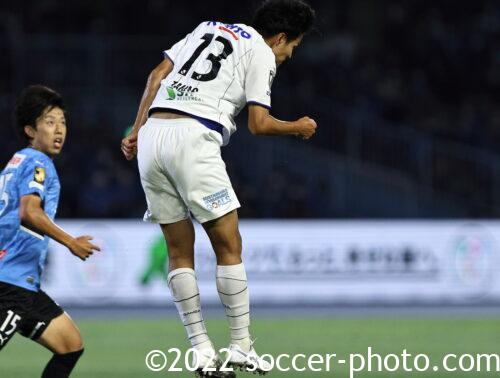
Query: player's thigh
pixel 165 204
pixel 61 336
pixel 47 324
pixel 202 179
pixel 224 234
pixel 180 238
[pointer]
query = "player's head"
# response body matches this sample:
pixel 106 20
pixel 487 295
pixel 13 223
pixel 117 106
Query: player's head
pixel 40 119
pixel 283 23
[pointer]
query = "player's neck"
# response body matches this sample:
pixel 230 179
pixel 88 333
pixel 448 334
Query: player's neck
pixel 271 41
pixel 40 150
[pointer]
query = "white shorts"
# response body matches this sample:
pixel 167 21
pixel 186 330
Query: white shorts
pixel 182 170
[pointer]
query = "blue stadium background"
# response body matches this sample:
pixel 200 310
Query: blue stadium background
pixel 405 94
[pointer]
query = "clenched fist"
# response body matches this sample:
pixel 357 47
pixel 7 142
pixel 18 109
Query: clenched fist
pixel 306 127
pixel 129 145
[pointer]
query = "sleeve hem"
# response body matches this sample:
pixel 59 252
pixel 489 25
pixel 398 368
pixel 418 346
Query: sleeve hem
pixel 259 104
pixel 166 56
pixel 31 191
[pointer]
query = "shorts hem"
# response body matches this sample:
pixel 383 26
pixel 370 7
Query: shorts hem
pixel 214 216
pixel 38 333
pixel 165 221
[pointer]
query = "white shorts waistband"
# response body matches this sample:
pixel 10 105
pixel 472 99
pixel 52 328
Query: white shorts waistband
pixel 171 122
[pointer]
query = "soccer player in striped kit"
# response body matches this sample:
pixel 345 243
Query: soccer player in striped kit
pixel 186 114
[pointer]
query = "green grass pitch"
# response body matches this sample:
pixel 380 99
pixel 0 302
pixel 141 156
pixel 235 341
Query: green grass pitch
pixel 117 348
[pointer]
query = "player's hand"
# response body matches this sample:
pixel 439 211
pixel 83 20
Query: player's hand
pixel 82 248
pixel 129 145
pixel 306 127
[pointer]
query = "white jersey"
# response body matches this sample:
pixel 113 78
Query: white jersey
pixel 218 69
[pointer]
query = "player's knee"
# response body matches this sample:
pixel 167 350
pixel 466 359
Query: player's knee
pixel 180 254
pixel 179 247
pixel 76 346
pixel 229 244
pixel 72 343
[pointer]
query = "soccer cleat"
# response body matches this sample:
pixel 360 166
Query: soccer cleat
pixel 208 363
pixel 247 361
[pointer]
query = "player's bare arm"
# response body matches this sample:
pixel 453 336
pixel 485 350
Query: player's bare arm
pixel 32 213
pixel 260 122
pixel 129 144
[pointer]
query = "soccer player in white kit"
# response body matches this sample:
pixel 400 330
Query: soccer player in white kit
pixel 186 114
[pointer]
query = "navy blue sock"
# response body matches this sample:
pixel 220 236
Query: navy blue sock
pixel 61 365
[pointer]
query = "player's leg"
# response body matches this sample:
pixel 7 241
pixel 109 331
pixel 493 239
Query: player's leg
pixel 48 325
pixel 183 287
pixel 179 237
pixel 182 281
pixel 211 198
pixel 225 237
pixel 166 207
pixel 231 276
pixel 62 338
pixel 233 289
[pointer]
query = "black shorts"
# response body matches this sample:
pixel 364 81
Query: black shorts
pixel 24 311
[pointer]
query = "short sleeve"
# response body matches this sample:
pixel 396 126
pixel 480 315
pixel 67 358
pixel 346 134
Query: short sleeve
pixel 173 52
pixel 259 77
pixel 33 178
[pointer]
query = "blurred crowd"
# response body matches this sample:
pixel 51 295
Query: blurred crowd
pixel 410 86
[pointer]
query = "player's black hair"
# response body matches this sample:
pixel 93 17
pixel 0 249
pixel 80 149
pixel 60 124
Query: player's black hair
pixel 292 17
pixel 31 104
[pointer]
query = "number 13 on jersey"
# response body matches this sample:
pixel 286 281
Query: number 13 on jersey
pixel 215 59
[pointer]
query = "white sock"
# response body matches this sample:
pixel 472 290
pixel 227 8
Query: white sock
pixel 184 289
pixel 233 293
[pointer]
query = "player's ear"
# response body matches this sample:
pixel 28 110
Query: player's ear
pixel 277 40
pixel 30 131
pixel 282 40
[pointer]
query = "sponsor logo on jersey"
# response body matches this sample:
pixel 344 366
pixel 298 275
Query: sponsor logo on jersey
pixel 171 93
pixel 232 29
pixel 39 175
pixel 180 92
pixel 16 161
pixel 3 252
pixel 216 200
